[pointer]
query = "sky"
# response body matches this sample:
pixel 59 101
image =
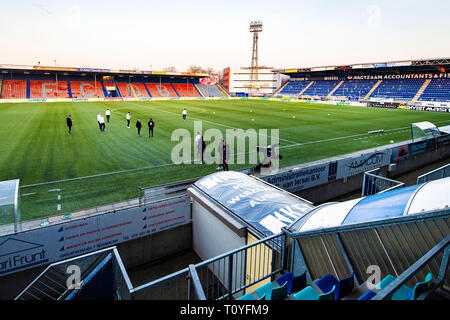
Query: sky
pixel 153 35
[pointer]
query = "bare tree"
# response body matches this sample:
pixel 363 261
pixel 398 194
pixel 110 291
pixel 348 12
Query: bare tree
pixel 170 69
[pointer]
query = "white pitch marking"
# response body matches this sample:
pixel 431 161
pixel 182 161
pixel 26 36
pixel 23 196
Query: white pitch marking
pixel 53 190
pixel 59 197
pixel 28 194
pixel 58 207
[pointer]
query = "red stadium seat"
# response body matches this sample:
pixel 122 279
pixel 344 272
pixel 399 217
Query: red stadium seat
pixel 14 89
pixel 186 90
pixel 132 90
pixel 86 89
pixel 48 89
pixel 161 90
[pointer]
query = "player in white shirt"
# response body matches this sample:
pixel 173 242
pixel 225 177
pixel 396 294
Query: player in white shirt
pixel 99 117
pixel 101 122
pixel 184 114
pixel 128 120
pixel 108 114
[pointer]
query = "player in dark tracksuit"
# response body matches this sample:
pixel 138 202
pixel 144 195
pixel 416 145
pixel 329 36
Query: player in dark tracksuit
pixel 69 124
pixel 139 126
pixel 151 125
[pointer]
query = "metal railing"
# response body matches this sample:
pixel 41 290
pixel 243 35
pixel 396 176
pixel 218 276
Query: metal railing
pixel 393 244
pixel 51 284
pixel 439 173
pixel 444 245
pixel 221 277
pixel 374 183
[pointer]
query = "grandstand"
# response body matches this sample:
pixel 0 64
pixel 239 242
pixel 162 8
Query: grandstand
pixel 402 82
pixel 37 82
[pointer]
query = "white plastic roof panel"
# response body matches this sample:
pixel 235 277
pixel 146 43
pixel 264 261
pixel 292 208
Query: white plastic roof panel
pixel 433 195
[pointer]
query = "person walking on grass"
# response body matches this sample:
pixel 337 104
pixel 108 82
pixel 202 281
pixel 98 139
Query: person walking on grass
pixel 128 120
pixel 139 126
pixel 69 124
pixel 184 114
pixel 151 125
pixel 102 123
pixel 108 114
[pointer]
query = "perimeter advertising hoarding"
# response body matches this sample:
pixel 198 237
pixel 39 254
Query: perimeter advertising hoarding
pixel 54 243
pixel 365 162
pixel 303 178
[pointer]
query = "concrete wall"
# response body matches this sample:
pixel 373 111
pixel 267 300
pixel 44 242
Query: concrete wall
pixel 133 253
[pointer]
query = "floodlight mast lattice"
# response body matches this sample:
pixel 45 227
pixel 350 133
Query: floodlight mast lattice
pixel 255 27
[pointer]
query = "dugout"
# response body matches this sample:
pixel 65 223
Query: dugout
pixel 231 209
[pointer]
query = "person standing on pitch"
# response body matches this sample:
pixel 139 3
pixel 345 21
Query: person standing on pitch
pixel 151 125
pixel 69 124
pixel 128 120
pixel 224 153
pixel 198 143
pixel 102 123
pixel 203 148
pixel 108 114
pixel 99 118
pixel 184 114
pixel 139 126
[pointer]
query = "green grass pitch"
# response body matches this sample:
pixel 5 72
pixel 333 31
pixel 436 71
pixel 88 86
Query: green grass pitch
pixel 36 148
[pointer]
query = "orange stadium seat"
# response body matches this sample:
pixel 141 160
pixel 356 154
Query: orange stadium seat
pixel 127 89
pixel 86 89
pixel 14 89
pixel 161 90
pixel 48 89
pixel 186 90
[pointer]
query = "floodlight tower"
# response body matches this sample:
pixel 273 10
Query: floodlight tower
pixel 255 27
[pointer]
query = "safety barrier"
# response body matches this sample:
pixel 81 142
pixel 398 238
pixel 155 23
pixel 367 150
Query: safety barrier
pixel 439 173
pixel 374 183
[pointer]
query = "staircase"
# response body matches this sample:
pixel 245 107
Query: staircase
pixel 51 284
pixel 222 89
pixel 280 88
pixel 335 88
pixel 306 88
pixel 376 85
pixel 421 90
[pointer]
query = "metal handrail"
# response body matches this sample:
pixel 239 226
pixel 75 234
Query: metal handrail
pixel 425 175
pixel 390 289
pixel 186 271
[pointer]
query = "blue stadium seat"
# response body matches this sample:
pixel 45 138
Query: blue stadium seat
pixel 438 90
pixel 321 88
pixel 294 283
pixel 309 293
pixel 399 89
pixel 343 286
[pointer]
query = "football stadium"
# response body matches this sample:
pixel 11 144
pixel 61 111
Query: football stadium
pixel 294 183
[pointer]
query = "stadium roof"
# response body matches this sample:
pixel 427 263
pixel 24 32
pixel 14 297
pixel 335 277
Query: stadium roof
pixel 27 68
pixel 372 65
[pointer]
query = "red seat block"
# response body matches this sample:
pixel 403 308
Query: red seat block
pixel 186 90
pixel 48 89
pixel 86 89
pixel 14 89
pixel 161 90
pixel 132 90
